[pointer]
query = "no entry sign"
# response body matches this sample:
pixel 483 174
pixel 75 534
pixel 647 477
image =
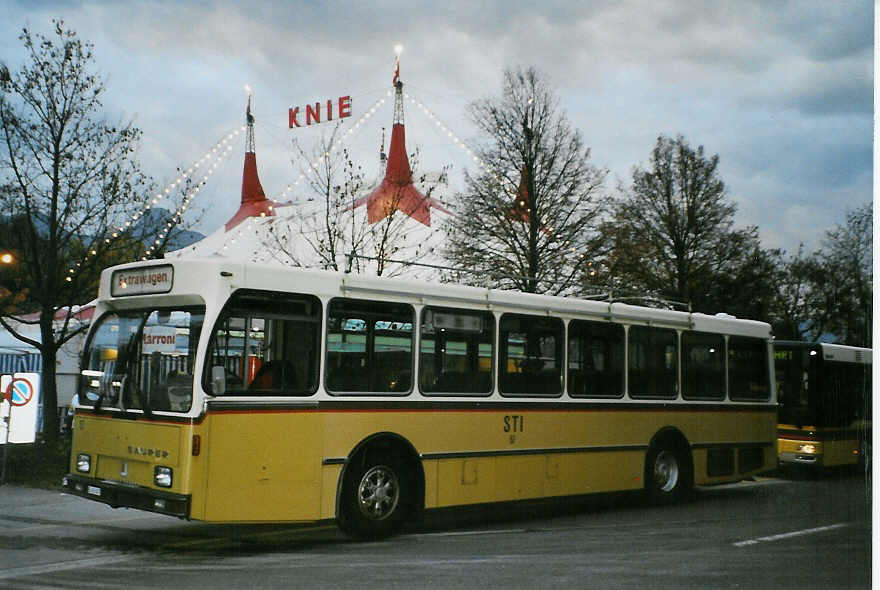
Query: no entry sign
pixel 19 408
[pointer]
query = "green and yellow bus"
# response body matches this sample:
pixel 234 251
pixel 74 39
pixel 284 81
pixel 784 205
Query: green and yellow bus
pixel 224 391
pixel 824 395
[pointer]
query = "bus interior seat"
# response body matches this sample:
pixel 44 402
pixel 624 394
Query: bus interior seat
pixel 278 374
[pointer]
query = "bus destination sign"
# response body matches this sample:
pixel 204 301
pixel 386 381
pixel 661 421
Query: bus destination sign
pixel 142 281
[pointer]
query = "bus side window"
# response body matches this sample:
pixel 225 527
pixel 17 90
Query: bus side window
pixel 702 360
pixel 747 369
pixel 456 351
pixel 595 359
pixel 653 362
pixel 266 343
pixel 369 347
pixel 530 355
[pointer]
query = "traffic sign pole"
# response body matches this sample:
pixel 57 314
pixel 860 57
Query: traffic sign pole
pixel 7 395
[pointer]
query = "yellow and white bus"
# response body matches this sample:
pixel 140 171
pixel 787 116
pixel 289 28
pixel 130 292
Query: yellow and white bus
pixel 231 392
pixel 824 403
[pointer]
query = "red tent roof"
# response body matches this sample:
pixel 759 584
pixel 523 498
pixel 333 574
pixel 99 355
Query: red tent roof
pixel 253 200
pixel 397 191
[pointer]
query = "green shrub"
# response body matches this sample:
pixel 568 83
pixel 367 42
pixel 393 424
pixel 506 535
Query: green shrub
pixel 41 464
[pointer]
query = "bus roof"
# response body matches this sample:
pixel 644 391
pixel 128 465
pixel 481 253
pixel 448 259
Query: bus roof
pixel 846 354
pixel 832 352
pixel 201 277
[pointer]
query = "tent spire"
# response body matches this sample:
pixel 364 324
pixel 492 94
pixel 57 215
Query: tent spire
pixel 398 94
pixel 253 200
pixel 249 144
pixel 397 191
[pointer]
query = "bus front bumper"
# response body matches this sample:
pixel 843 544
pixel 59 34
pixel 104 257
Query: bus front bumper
pixel 120 495
pixel 801 459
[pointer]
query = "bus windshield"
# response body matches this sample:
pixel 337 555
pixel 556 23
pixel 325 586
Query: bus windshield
pixel 142 360
pixel 795 380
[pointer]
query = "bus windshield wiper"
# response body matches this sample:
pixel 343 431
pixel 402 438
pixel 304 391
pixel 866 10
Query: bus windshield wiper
pixel 97 407
pixel 148 411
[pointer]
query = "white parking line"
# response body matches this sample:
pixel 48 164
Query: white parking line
pixel 80 523
pixel 758 482
pixel 468 533
pixel 781 536
pixel 207 542
pixel 33 570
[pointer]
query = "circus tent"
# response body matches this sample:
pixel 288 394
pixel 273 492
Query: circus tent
pixel 285 233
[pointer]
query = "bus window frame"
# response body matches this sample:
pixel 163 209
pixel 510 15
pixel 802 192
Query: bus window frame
pixel 370 391
pixel 493 342
pixel 676 392
pixel 803 409
pixel 731 394
pixel 623 352
pixel 835 383
pixel 122 400
pixel 230 310
pixel 560 349
pixel 722 394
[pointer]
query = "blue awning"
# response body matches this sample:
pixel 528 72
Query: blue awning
pixel 20 362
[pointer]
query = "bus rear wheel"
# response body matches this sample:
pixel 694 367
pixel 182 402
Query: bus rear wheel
pixel 375 496
pixel 667 475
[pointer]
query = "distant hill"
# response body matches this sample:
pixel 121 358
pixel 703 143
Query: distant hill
pixel 153 221
pixel 150 223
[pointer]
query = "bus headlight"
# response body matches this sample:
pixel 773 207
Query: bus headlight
pixel 162 476
pixel 83 463
pixel 808 449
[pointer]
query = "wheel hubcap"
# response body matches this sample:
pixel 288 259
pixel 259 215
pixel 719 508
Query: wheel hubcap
pixel 378 492
pixel 666 471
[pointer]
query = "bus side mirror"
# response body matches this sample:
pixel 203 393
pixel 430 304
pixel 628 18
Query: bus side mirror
pixel 218 380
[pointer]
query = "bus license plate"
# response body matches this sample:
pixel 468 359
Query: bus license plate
pixel 94 490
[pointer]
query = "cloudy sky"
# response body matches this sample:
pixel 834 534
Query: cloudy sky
pixel 781 91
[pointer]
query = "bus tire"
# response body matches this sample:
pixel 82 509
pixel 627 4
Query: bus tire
pixel 667 474
pixel 376 494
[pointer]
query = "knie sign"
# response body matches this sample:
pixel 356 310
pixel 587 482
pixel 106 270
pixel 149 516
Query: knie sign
pixel 320 112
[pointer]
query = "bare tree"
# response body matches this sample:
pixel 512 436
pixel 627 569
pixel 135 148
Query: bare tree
pixel 166 228
pixel 790 312
pixel 397 245
pixel 672 233
pixel 320 237
pixel 529 215
pixel 841 281
pixel 334 232
pixel 68 183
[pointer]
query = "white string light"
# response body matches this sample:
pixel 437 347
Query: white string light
pixel 187 199
pixel 250 227
pixel 334 148
pixel 211 160
pixel 223 144
pixel 447 131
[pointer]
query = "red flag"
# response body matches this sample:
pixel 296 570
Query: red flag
pixel 396 72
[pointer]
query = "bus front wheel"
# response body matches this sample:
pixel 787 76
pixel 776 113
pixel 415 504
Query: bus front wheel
pixel 667 475
pixel 375 496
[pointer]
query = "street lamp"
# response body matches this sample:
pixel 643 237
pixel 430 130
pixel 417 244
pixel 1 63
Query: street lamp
pixel 7 258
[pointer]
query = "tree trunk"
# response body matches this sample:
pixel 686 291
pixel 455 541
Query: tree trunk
pixel 48 385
